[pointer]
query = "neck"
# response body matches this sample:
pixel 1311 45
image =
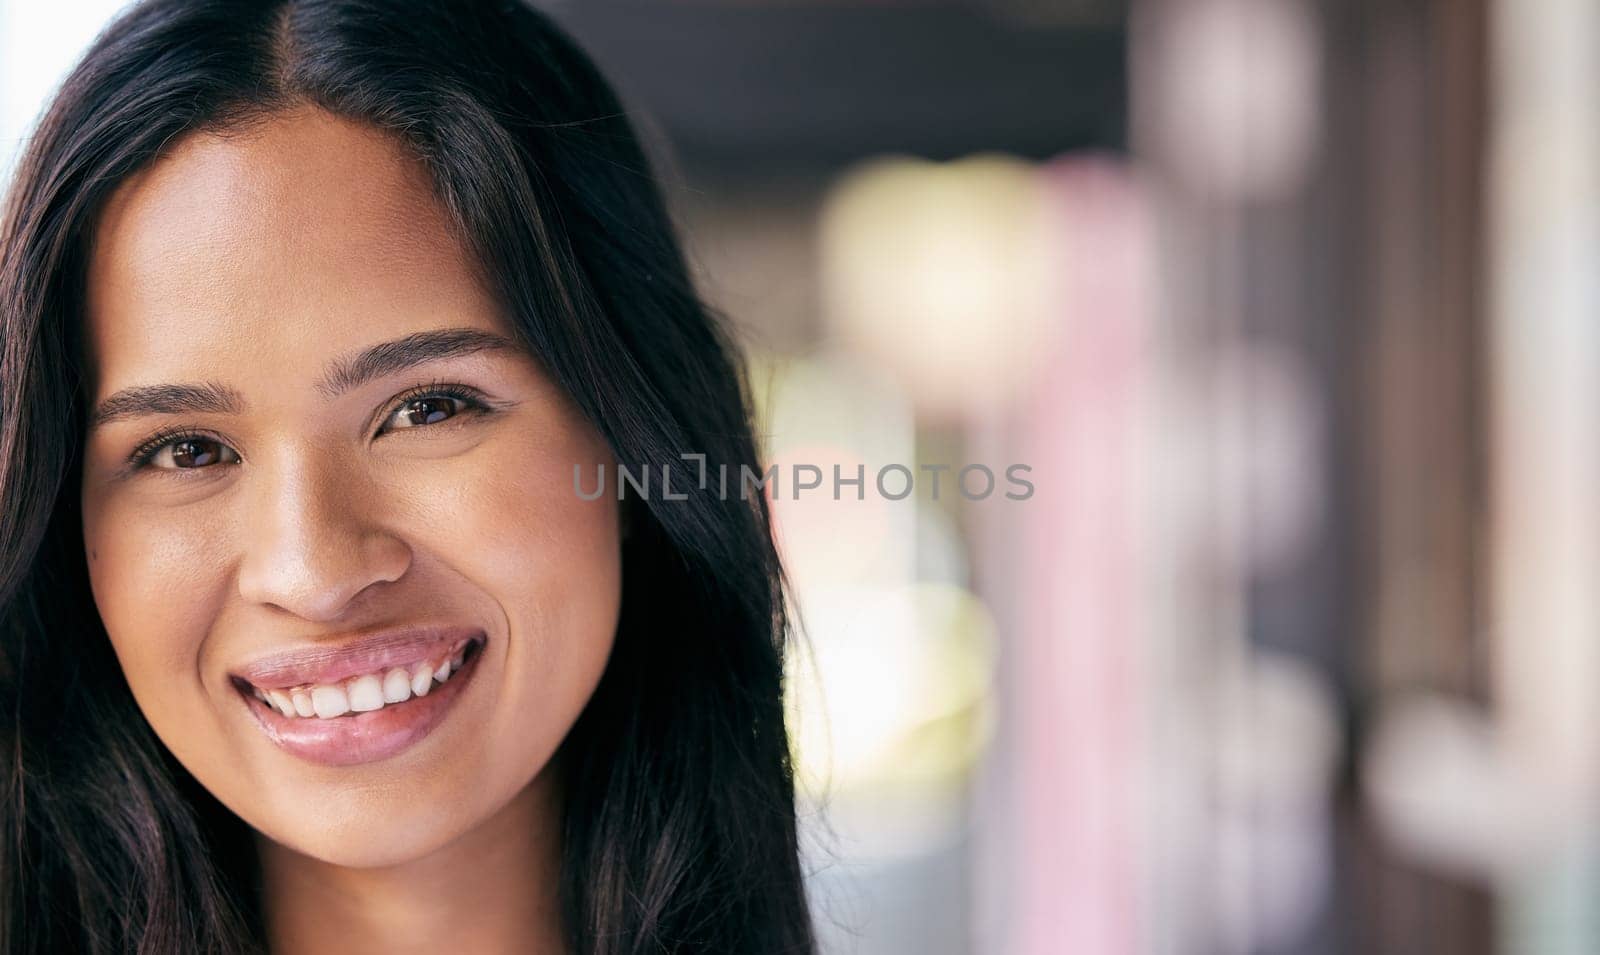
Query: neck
pixel 494 889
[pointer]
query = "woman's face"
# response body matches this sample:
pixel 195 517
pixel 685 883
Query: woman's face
pixel 344 479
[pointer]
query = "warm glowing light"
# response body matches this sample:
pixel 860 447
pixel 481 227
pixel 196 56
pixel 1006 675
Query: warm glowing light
pixel 940 274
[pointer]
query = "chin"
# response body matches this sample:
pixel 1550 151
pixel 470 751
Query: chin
pixel 370 833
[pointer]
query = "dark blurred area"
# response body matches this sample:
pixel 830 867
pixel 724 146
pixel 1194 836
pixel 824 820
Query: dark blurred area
pixel 751 88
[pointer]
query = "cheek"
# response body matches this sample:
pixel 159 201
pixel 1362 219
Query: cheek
pixel 508 517
pixel 552 561
pixel 554 558
pixel 155 581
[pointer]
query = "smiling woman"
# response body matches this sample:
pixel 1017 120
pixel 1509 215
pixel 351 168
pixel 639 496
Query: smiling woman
pixel 308 312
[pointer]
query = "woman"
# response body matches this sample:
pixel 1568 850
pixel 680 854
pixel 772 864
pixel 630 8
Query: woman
pixel 310 310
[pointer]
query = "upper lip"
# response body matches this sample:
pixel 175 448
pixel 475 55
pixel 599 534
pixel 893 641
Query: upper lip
pixel 332 659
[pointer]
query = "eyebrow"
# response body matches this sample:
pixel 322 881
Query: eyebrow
pixel 342 375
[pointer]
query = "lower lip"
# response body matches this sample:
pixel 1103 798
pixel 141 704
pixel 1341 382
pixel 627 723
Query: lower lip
pixel 365 737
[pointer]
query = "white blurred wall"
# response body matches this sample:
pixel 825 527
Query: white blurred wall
pixel 39 41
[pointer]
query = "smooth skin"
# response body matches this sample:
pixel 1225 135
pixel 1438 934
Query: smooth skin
pixel 256 260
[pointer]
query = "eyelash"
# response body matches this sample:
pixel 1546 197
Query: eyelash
pixel 470 398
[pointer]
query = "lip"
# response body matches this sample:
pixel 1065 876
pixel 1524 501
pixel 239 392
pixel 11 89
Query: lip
pixel 405 646
pixel 360 737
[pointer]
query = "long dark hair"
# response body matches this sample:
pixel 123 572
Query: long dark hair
pixel 678 819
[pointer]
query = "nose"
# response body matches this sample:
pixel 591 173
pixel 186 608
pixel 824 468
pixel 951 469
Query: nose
pixel 310 547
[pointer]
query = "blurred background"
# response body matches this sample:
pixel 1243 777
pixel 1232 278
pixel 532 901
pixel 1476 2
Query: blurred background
pixel 1291 308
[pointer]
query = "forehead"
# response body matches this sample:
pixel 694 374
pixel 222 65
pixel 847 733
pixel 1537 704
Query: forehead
pixel 299 237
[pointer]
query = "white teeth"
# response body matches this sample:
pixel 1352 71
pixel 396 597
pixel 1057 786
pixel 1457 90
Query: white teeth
pixel 329 701
pixel 366 693
pixel 396 686
pixel 362 694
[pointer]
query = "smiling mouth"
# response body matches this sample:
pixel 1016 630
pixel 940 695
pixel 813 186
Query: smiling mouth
pixel 369 698
pixel 366 692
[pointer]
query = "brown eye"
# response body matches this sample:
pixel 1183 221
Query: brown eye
pixel 427 410
pixel 195 454
pixel 440 403
pixel 186 453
